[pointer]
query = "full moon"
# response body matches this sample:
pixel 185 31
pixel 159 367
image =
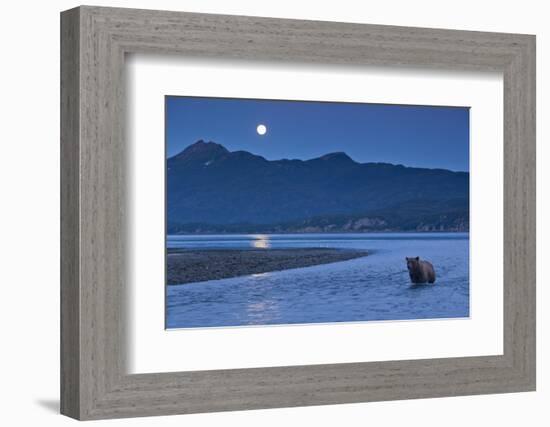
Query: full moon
pixel 261 129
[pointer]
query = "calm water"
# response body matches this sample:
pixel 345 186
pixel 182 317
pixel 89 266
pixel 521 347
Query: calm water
pixel 375 287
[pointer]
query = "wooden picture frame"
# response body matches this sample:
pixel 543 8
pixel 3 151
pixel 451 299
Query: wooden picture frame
pixel 94 382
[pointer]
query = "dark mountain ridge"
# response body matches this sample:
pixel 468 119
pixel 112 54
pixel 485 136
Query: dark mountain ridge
pixel 211 189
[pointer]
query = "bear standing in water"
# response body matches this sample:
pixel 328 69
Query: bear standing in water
pixel 420 271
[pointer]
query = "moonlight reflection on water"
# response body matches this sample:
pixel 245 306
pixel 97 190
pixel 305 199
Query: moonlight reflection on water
pixel 260 241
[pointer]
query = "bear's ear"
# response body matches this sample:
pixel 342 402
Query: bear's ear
pixel 417 258
pixel 406 258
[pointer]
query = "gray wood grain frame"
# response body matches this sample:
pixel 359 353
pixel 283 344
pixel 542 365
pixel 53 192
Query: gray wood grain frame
pixel 94 42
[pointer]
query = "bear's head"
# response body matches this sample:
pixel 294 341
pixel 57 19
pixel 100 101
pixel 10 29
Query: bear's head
pixel 413 263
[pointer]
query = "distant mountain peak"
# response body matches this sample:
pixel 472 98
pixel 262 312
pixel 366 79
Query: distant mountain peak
pixel 202 146
pixel 336 156
pixel 201 151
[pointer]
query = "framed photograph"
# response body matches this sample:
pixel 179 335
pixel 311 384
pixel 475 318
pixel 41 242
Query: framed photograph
pixel 288 222
pixel 262 213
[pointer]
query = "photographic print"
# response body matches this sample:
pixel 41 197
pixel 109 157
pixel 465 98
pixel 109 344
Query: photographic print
pixel 284 212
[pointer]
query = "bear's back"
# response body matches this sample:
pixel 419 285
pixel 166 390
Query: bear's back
pixel 428 271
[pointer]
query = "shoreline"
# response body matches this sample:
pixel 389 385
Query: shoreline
pixel 185 266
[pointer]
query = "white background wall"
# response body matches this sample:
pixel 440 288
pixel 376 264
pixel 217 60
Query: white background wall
pixel 29 224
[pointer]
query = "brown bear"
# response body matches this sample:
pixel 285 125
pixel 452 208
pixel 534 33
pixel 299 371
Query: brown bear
pixel 420 271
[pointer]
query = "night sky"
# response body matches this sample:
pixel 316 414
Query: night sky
pixel 411 135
